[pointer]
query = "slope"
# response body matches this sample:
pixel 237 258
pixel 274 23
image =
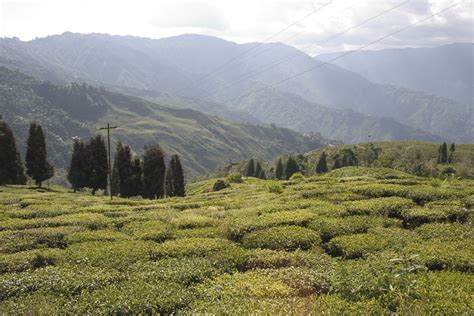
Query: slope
pixel 203 141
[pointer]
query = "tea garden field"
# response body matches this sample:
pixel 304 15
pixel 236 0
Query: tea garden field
pixel 355 241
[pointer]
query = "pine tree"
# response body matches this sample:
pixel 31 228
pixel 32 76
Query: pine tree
pixel 11 167
pixel 77 168
pixel 250 170
pixel 37 166
pixel 262 175
pixel 443 153
pixel 349 158
pixel 452 148
pixel 125 172
pixel 153 172
pixel 115 181
pixel 258 170
pixel 137 177
pixel 279 170
pixel 292 167
pixel 322 166
pixel 177 176
pixel 97 168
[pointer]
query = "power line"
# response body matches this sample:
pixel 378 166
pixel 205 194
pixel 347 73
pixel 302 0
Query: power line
pixel 202 79
pixel 350 52
pixel 300 52
pixel 283 40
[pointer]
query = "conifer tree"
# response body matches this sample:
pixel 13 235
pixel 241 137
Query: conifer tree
pixel 250 170
pixel 115 185
pixel 443 153
pixel 262 175
pixel 77 168
pixel 37 166
pixel 452 148
pixel 137 177
pixel 292 167
pixel 322 166
pixel 11 167
pixel 97 168
pixel 177 180
pixel 258 170
pixel 125 172
pixel 279 170
pixel 153 172
pixel 349 158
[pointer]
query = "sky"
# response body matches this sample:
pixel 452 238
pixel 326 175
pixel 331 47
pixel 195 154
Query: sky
pixel 244 21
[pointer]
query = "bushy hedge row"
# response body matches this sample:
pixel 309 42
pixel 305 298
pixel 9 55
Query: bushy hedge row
pixel 282 238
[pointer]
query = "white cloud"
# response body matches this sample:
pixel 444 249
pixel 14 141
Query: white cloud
pixel 243 20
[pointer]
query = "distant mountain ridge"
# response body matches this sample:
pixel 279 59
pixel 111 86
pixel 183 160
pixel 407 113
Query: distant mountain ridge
pixel 171 65
pixel 446 71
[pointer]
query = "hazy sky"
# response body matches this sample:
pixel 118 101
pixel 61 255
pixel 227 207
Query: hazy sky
pixel 243 20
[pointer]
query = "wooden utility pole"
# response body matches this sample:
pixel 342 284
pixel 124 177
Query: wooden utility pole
pixel 108 128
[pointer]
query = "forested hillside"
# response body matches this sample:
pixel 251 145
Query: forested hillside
pixel 203 141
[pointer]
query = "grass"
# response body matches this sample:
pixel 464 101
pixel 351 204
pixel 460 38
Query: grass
pixel 354 241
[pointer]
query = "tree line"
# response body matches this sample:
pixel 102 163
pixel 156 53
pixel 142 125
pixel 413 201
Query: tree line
pixel 12 169
pixel 148 176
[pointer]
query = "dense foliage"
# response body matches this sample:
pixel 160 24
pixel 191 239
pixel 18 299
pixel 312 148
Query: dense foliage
pixel 355 240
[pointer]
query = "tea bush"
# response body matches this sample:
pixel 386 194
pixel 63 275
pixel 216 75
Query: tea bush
pixel 282 237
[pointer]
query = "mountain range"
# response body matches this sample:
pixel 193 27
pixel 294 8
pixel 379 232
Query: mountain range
pixel 203 141
pixel 170 71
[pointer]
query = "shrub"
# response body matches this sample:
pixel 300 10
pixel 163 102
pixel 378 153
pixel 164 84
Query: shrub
pixel 330 227
pixel 149 230
pixel 271 259
pixel 386 206
pixel 282 237
pixel 446 232
pixel 29 260
pixel 361 245
pixel 275 187
pixel 224 253
pixel 130 297
pixel 192 221
pixel 434 213
pixel 177 270
pixel 96 235
pixel 241 226
pixel 66 280
pixel 115 254
pixel 234 177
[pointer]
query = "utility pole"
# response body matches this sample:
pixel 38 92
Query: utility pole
pixel 108 128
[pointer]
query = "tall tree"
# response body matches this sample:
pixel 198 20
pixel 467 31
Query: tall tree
pixel 97 168
pixel 11 167
pixel 37 166
pixel 258 170
pixel 250 169
pixel 292 167
pixel 177 180
pixel 137 177
pixel 124 169
pixel 443 153
pixel 452 148
pixel 262 175
pixel 77 168
pixel 349 158
pixel 337 161
pixel 115 181
pixel 153 172
pixel 279 169
pixel 322 166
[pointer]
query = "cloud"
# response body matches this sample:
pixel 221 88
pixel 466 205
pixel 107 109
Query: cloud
pixel 176 14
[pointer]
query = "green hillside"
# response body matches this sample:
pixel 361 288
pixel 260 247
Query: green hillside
pixel 203 141
pixel 355 241
pixel 405 156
